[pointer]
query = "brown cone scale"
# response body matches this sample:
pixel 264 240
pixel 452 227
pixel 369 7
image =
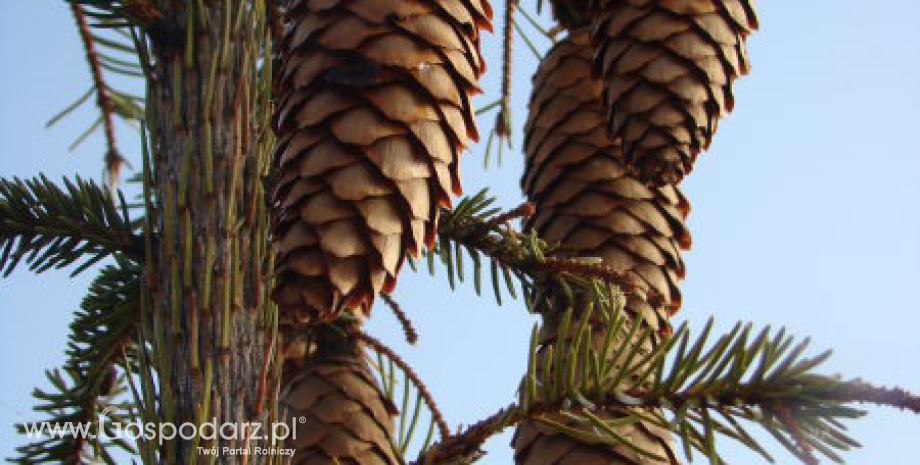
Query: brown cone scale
pixel 336 410
pixel 586 200
pixel 373 112
pixel 668 68
pixel 590 204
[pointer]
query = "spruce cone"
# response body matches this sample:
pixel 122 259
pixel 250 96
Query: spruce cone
pixel 668 68
pixel 592 205
pixel 586 199
pixel 347 418
pixel 374 110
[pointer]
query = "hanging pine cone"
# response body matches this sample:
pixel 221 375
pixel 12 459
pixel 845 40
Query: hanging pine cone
pixel 586 199
pixel 668 68
pixel 589 203
pixel 374 110
pixel 335 408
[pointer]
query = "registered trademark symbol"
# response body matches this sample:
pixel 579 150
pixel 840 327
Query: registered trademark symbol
pixel 303 419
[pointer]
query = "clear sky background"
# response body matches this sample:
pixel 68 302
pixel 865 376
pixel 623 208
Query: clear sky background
pixel 805 214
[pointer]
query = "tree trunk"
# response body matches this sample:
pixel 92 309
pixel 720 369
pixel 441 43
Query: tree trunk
pixel 590 203
pixel 208 114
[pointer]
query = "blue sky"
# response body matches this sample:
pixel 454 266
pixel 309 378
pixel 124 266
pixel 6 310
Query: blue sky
pixel 804 214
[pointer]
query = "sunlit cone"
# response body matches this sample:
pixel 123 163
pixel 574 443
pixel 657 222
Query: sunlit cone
pixel 668 68
pixel 589 203
pixel 586 199
pixel 336 410
pixel 373 112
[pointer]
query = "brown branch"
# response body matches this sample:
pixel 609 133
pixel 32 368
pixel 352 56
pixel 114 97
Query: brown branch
pixel 470 440
pixel 479 235
pixel 142 12
pixel 628 283
pixel 113 158
pixel 502 121
pixel 524 210
pixel 145 14
pixel 410 373
pixel 492 246
pixel 404 321
pixel 865 393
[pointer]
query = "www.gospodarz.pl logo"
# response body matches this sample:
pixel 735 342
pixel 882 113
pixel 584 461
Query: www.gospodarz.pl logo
pixel 109 426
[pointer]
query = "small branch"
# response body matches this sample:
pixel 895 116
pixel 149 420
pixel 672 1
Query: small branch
pixel 113 159
pixel 143 13
pixel 128 244
pixel 606 273
pixel 865 393
pixel 472 438
pixel 524 210
pixel 784 415
pixel 502 123
pixel 410 373
pixel 408 329
pixel 480 235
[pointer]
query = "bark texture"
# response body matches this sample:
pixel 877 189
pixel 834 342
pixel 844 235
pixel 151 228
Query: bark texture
pixel 374 110
pixel 210 325
pixel 590 203
pixel 668 68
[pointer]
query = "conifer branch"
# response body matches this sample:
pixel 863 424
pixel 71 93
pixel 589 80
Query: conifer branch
pixel 103 335
pixel 404 321
pixel 503 120
pixel 111 51
pixel 763 380
pixel 469 442
pixel 524 210
pixel 51 227
pixel 141 13
pixel 113 158
pixel 63 405
pixel 474 227
pixel 382 348
pixel 865 393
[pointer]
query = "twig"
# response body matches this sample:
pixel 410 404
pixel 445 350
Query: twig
pixel 501 127
pixel 410 373
pixel 472 438
pixel 606 273
pixel 865 393
pixel 784 415
pixel 143 13
pixel 113 158
pixel 408 329
pixel 469 441
pixel 524 210
pixel 492 246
